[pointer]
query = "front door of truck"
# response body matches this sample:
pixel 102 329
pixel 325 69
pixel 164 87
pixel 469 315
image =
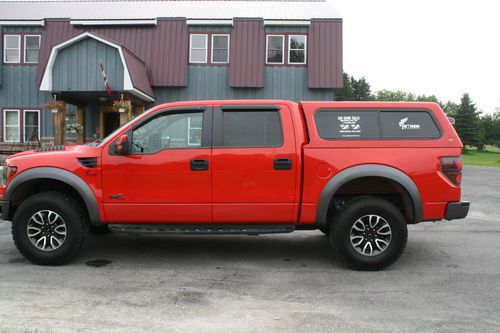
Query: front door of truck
pixel 167 177
pixel 254 164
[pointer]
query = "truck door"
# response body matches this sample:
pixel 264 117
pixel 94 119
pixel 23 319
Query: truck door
pixel 254 164
pixel 167 177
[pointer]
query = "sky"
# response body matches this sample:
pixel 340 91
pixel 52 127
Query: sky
pixel 433 47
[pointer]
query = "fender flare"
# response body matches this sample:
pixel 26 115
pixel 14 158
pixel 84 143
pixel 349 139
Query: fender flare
pixel 61 175
pixel 367 170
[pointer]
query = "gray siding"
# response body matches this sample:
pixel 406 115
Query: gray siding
pixel 77 67
pixel 211 82
pixel 20 91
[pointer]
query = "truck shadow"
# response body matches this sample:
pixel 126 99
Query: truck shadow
pixel 311 249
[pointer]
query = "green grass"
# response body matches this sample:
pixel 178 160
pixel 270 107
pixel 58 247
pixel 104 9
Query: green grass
pixel 489 157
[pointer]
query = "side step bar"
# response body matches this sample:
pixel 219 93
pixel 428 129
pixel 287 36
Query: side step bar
pixel 205 229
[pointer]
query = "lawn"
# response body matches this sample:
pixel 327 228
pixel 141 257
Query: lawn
pixel 489 157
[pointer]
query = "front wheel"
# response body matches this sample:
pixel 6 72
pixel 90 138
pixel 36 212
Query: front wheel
pixel 369 233
pixel 49 228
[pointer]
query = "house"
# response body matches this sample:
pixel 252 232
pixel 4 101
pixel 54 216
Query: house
pixel 152 52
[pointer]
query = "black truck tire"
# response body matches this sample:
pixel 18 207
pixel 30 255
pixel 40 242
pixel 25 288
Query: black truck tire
pixel 49 228
pixel 369 233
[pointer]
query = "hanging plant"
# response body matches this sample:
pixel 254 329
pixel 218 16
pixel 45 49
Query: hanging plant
pixel 74 128
pixel 121 106
pixel 55 106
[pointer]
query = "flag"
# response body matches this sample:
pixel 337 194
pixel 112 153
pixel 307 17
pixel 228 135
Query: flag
pixel 106 84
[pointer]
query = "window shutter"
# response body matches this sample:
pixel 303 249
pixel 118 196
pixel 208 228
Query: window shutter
pixel 247 53
pixel 324 57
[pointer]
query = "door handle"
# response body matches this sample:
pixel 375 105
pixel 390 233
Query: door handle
pixel 282 164
pixel 198 165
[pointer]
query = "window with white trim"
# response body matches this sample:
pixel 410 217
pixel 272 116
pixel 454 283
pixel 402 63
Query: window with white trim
pixel 297 45
pixel 31 48
pixel 275 46
pixel 220 49
pixel 11 126
pixel 198 45
pixel 12 49
pixel 31 124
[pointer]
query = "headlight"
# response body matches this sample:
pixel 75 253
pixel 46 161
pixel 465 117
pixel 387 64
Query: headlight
pixel 7 172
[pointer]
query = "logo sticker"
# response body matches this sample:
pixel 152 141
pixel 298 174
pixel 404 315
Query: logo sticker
pixel 405 126
pixel 349 125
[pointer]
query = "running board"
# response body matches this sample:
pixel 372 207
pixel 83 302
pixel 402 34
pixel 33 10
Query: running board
pixel 208 229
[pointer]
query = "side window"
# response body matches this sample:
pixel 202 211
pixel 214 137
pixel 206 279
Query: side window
pixel 11 126
pixel 274 49
pixel 198 45
pixel 347 124
pixel 410 124
pixel 31 122
pixel 297 49
pixel 31 48
pixel 220 49
pixel 168 131
pixel 252 129
pixel 12 49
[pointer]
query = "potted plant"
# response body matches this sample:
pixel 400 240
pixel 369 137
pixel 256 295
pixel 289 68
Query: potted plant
pixel 55 106
pixel 74 128
pixel 121 106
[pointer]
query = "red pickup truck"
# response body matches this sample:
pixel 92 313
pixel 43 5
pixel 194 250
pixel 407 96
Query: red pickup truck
pixel 358 171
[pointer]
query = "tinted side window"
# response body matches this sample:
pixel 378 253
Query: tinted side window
pixel 167 131
pixel 413 124
pixel 252 129
pixel 338 124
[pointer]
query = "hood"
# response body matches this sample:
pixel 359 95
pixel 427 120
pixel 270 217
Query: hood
pixel 57 151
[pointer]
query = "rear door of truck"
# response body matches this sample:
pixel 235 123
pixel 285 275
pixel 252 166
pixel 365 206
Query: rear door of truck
pixel 255 164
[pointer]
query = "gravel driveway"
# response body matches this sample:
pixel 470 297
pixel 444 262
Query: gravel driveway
pixel 447 280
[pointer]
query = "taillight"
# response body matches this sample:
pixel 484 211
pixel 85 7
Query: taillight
pixel 452 168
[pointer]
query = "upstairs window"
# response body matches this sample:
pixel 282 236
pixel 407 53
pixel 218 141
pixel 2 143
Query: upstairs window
pixel 198 45
pixel 220 49
pixel 31 48
pixel 275 46
pixel 297 45
pixel 12 49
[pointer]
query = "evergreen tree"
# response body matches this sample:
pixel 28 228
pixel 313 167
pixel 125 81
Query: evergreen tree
pixel 467 123
pixel 361 90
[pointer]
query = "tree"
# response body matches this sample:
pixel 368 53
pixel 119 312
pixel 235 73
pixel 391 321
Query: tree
pixel 354 90
pixel 467 123
pixel 491 127
pixel 361 90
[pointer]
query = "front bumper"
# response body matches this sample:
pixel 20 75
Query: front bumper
pixel 4 209
pixel 457 210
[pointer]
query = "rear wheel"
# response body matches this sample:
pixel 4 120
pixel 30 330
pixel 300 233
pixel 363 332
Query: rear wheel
pixel 49 228
pixel 369 233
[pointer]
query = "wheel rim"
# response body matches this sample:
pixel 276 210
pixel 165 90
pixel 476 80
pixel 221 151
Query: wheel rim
pixel 370 235
pixel 46 230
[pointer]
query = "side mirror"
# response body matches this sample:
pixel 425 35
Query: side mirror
pixel 122 146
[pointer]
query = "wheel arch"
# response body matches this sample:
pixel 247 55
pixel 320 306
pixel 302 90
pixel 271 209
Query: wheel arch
pixel 367 170
pixel 20 182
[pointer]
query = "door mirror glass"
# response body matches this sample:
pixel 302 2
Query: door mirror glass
pixel 122 146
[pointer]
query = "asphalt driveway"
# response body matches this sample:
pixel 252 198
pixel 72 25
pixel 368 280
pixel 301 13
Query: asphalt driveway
pixel 447 280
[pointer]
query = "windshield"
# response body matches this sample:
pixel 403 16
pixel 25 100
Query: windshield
pixel 103 141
